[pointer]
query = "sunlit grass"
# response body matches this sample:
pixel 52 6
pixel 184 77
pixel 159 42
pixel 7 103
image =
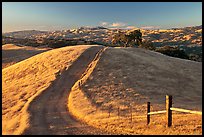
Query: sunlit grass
pixel 99 90
pixel 25 80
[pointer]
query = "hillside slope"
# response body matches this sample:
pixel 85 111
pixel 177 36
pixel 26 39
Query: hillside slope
pixel 117 77
pixel 12 54
pixel 24 81
pixel 132 76
pixel 49 114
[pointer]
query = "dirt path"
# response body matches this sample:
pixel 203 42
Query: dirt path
pixel 49 114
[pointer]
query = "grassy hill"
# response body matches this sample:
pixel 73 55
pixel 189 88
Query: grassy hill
pixel 12 54
pixel 25 80
pixel 125 77
pixel 117 77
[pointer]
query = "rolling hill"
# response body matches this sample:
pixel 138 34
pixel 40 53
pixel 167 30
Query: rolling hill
pixel 82 82
pixel 125 77
pixel 24 81
pixel 12 54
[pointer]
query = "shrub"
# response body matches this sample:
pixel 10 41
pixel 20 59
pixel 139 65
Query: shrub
pixel 172 51
pixel 147 45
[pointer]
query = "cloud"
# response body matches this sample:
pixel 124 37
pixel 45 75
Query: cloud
pixel 131 27
pixel 104 23
pixel 113 24
pixel 118 24
pixel 150 27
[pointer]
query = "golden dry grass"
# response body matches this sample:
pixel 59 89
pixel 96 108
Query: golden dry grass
pixel 118 77
pixel 126 76
pixel 25 80
pixel 12 54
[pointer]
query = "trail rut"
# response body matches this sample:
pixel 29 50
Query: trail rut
pixel 49 114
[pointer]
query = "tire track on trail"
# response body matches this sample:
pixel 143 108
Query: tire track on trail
pixel 48 112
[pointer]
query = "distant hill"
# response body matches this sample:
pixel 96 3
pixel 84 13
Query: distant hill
pixel 175 36
pixel 24 34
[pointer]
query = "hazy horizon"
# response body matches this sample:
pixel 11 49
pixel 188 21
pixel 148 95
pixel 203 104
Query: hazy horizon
pixel 85 26
pixel 50 16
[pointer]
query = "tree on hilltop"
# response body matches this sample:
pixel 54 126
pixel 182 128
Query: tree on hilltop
pixel 129 39
pixel 135 37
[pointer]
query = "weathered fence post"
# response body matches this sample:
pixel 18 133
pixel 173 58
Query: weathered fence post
pixel 148 110
pixel 168 111
pixel 79 84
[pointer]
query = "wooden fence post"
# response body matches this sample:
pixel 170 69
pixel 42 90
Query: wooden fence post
pixel 168 110
pixel 148 110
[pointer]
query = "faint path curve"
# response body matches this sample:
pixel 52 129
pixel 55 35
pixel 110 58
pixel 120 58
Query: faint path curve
pixel 49 114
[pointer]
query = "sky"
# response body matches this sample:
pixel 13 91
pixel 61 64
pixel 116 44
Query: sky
pixel 68 15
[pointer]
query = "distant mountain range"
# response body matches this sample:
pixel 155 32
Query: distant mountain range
pixel 187 36
pixel 24 33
